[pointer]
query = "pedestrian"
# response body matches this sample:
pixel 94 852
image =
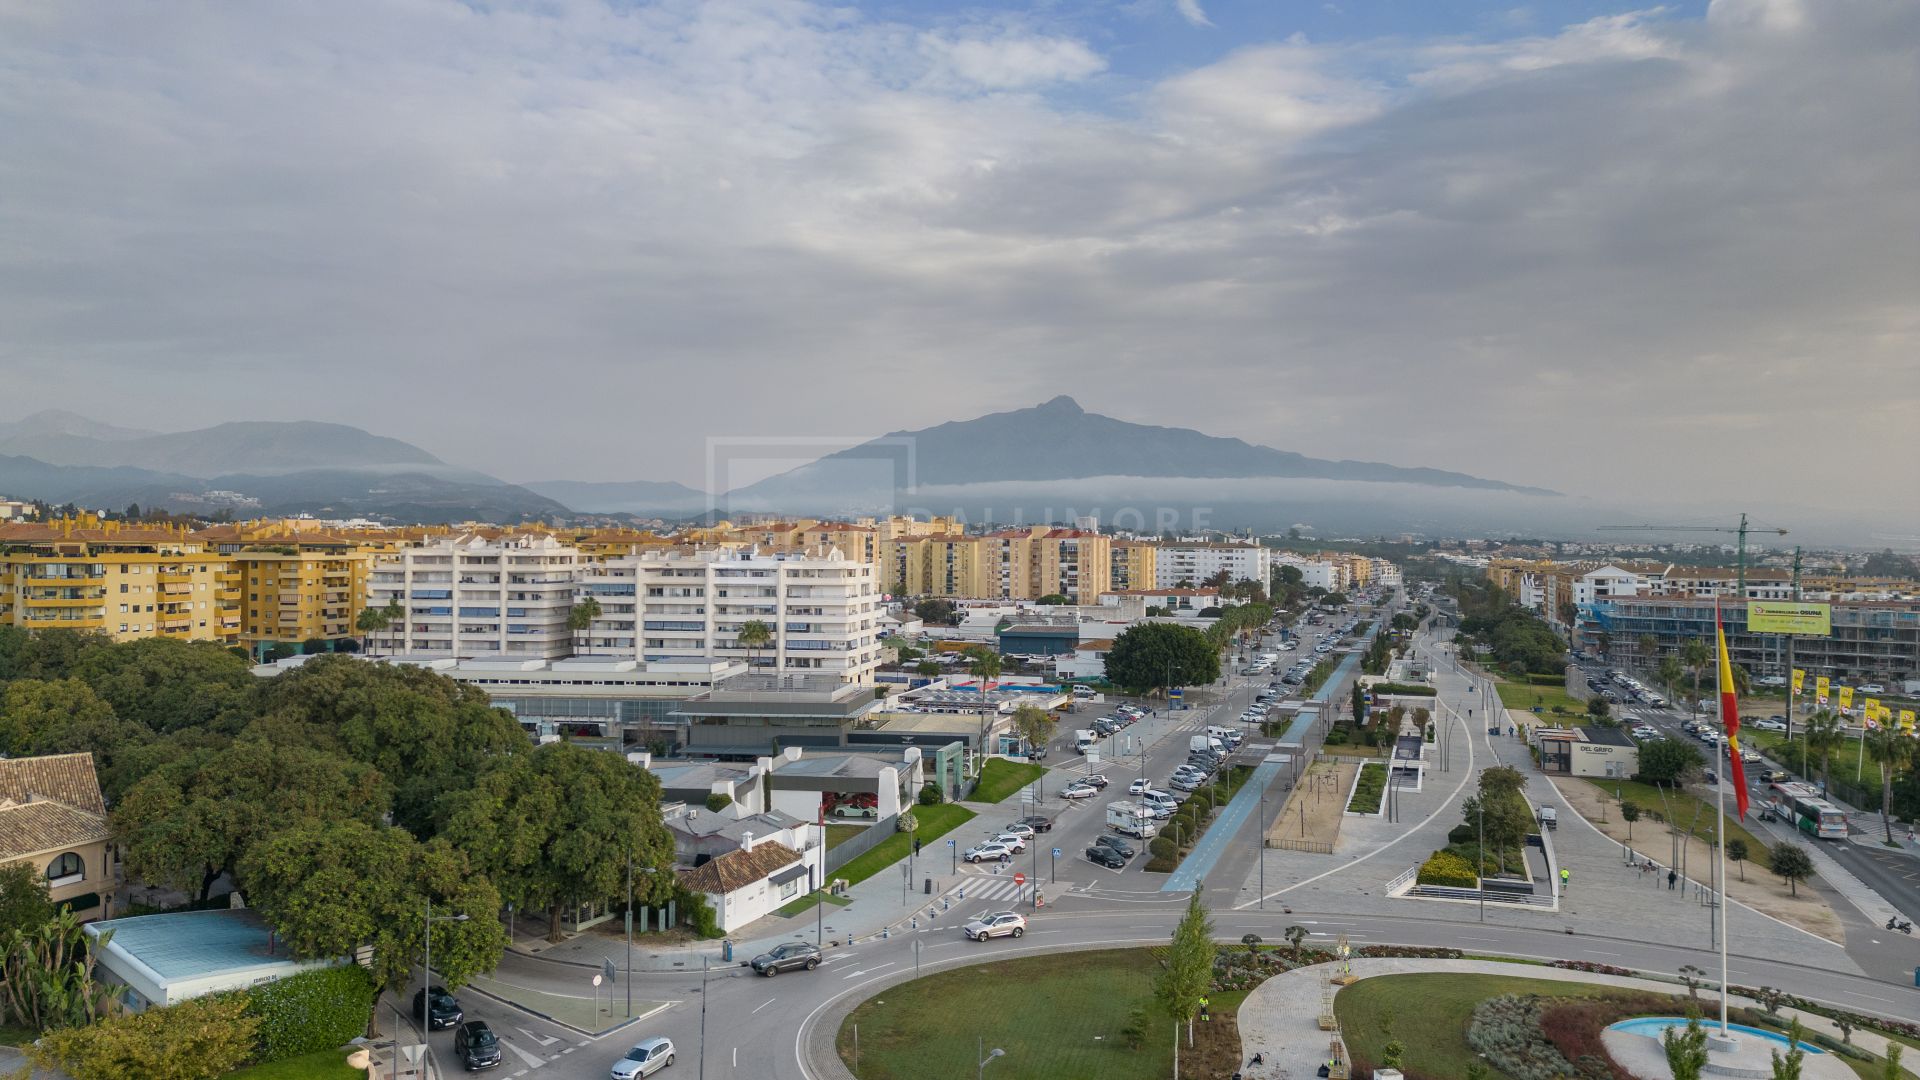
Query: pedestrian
pixel 916 845
pixel 1672 876
pixel 1205 1008
pixel 1566 878
pixel 1005 858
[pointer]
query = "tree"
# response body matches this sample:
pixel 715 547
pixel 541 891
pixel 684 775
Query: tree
pixel 329 887
pixel 314 646
pixel 30 707
pixel 1788 1067
pixel 1694 978
pixel 369 621
pixel 1334 600
pixel 1597 706
pixel 195 818
pixel 1792 863
pixel 1295 935
pixel 1159 656
pixel 1890 1065
pixel 1053 600
pixel 1695 654
pixel 198 1039
pixel 928 669
pixel 1034 725
pixel 1686 1048
pixel 46 976
pixel 23 898
pixel 580 621
pixel 935 611
pixel 1188 970
pixel 1894 751
pixel 754 635
pixel 1823 734
pixel 1630 813
pixel 1647 646
pixel 168 684
pixel 1737 851
pixel 1667 762
pixel 558 826
pixel 983 664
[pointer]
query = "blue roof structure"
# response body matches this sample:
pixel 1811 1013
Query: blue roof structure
pixel 191 944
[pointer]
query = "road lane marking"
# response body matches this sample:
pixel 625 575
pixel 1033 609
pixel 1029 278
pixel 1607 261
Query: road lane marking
pixel 869 971
pixel 763 1005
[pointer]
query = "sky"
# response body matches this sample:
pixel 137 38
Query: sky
pixel 1610 250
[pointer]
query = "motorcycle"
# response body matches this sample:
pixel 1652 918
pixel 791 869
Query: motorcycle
pixel 1902 926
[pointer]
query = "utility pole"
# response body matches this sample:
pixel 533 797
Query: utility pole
pixel 1793 692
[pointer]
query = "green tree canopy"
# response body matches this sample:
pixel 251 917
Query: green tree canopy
pixel 1188 973
pixel 168 685
pixel 1155 656
pixel 23 898
pixel 558 825
pixel 1667 761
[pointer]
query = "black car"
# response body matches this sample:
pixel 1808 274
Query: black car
pixel 794 955
pixel 1114 844
pixel 1037 822
pixel 445 1013
pixel 1100 855
pixel 476 1045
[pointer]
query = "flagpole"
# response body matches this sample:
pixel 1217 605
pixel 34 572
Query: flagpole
pixel 1726 909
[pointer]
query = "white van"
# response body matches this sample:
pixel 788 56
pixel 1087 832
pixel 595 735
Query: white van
pixel 1225 736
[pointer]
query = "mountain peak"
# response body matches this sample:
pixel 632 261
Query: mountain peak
pixel 1062 404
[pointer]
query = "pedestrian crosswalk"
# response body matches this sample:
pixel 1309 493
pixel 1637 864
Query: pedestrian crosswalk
pixel 989 887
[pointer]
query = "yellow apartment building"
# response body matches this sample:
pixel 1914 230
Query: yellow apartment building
pixel 125 581
pixel 952 565
pixel 1133 565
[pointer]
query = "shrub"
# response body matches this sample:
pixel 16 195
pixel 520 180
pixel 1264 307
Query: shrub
pixel 1337 737
pixel 1163 847
pixel 1161 865
pixel 311 1011
pixel 718 801
pixel 1366 793
pixel 697 913
pixel 1462 834
pixel 930 794
pixel 1446 868
pixel 194 1040
pixel 1506 1029
pixel 1201 802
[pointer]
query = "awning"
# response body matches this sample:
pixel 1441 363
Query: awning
pixel 797 870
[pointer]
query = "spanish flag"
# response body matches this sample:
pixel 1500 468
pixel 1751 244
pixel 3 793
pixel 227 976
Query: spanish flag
pixel 1730 716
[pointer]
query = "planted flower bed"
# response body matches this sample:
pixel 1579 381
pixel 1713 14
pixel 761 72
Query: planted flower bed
pixel 1369 789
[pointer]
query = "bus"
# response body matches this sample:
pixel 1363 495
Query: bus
pixel 1812 814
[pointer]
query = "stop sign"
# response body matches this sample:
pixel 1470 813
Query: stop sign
pixel 1019 879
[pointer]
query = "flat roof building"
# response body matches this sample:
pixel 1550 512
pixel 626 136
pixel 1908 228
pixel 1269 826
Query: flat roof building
pixel 166 959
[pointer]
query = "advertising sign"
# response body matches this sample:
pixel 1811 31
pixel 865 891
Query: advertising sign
pixel 1820 687
pixel 1813 620
pixel 1846 699
pixel 1799 680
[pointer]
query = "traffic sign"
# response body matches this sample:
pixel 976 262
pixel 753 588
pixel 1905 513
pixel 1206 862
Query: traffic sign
pixel 606 968
pixel 1019 879
pixel 1056 853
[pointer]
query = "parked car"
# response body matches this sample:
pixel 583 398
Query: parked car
pixel 1013 842
pixel 998 924
pixel 792 956
pixel 1140 786
pixel 1751 757
pixel 445 1011
pixel 1770 725
pixel 1185 783
pixel 1097 780
pixel 645 1059
pixel 475 1045
pixel 1107 840
pixel 1079 791
pixel 1037 822
pixel 1107 857
pixel 1019 828
pixel 984 852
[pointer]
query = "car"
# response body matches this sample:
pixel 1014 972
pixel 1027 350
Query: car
pixel 1770 725
pixel 1873 688
pixel 476 1046
pixel 646 1058
pixel 998 924
pixel 984 852
pixel 1711 779
pixel 1107 840
pixel 1160 811
pixel 446 1011
pixel 791 956
pixel 1079 791
pixel 1185 783
pixel 1097 780
pixel 1751 757
pixel 1019 829
pixel 1013 842
pixel 1037 822
pixel 1107 857
pixel 1140 786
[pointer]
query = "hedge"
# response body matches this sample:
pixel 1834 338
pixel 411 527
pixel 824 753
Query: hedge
pixel 1403 689
pixel 1366 793
pixel 314 1010
pixel 1163 847
pixel 1446 868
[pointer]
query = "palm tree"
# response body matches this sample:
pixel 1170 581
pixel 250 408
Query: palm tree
pixel 1604 642
pixel 983 664
pixel 1894 751
pixel 1822 735
pixel 580 619
pixel 1649 646
pixel 753 636
pixel 368 621
pixel 1670 672
pixel 1694 654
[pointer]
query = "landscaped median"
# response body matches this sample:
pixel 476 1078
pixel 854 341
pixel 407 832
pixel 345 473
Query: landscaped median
pixel 934 822
pixel 1001 778
pixel 1368 789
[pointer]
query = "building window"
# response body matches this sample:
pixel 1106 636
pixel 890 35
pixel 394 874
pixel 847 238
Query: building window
pixel 66 869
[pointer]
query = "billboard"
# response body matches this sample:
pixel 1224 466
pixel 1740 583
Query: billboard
pixel 1813 620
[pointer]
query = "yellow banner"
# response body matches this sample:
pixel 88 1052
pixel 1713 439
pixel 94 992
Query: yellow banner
pixel 1871 707
pixel 1820 688
pixel 1812 620
pixel 1799 680
pixel 1906 719
pixel 1846 698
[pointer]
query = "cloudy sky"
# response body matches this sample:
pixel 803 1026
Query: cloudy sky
pixel 1579 245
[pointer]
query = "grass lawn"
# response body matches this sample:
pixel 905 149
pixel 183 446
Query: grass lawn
pixel 1522 696
pixel 1430 1014
pixel 1000 778
pixel 935 822
pixel 840 834
pixel 1056 1016
pixel 1679 808
pixel 1844 760
pixel 806 903
pixel 13 1036
pixel 319 1065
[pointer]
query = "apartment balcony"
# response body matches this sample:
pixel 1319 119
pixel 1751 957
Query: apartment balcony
pixel 93 600
pixel 226 595
pixel 65 621
pixel 173 577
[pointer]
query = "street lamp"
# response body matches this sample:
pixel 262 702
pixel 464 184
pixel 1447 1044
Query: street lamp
pixel 426 988
pixel 986 1058
pixel 644 870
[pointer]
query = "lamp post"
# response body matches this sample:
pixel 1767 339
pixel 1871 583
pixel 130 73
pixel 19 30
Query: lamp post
pixel 986 1057
pixel 426 988
pixel 644 870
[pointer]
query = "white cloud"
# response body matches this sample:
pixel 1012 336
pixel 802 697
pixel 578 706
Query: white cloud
pixel 1191 11
pixel 1644 254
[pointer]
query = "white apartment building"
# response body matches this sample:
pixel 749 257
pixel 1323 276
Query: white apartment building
pixel 473 597
pixel 1193 562
pixel 685 604
pixel 1315 574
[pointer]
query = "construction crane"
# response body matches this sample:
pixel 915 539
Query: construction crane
pixel 1742 530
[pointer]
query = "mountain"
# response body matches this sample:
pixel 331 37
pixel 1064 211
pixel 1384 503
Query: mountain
pixel 257 446
pixel 1056 443
pixel 643 498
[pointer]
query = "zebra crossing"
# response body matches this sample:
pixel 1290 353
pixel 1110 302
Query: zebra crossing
pixel 984 887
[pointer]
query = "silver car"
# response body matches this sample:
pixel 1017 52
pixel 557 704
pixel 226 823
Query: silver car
pixel 998 924
pixel 646 1058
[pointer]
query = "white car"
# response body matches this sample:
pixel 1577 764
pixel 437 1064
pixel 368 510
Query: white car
pixel 998 924
pixel 1873 688
pixel 1767 725
pixel 989 851
pixel 1079 791
pixel 1012 841
pixel 1140 787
